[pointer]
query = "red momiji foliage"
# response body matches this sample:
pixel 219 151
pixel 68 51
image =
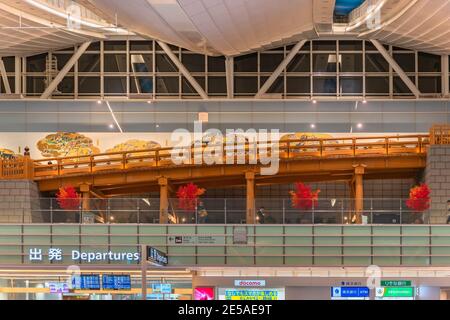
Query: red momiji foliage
pixel 188 195
pixel 419 198
pixel 68 198
pixel 303 197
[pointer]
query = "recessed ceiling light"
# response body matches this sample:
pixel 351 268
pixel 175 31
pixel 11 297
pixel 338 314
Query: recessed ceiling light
pixel 149 101
pixel 99 101
pixel 314 101
pixel 312 125
pixel 111 126
pixel 359 125
pixel 364 101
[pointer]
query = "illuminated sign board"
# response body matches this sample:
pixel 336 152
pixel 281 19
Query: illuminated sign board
pixel 58 287
pixel 205 293
pixel 395 293
pixel 350 293
pixel 116 282
pixel 250 283
pixel 162 288
pixel 157 257
pixel 251 294
pixel 396 283
pixel 57 255
pixel 86 282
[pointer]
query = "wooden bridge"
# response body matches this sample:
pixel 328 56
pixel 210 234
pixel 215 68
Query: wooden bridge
pixel 144 171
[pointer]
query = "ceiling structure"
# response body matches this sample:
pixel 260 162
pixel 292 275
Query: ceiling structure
pixel 223 27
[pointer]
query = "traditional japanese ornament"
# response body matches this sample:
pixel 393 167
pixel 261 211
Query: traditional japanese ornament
pixel 303 197
pixel 419 198
pixel 68 198
pixel 188 196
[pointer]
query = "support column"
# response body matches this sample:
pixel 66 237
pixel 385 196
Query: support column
pixel 163 200
pixel 359 192
pixel 18 75
pixel 250 216
pixel 85 197
pixel 445 75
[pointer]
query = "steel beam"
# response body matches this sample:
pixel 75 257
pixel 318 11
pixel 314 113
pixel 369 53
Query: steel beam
pixel 65 70
pixel 266 86
pixel 183 70
pixel 396 68
pixel 18 74
pixel 229 68
pixel 4 77
pixel 445 75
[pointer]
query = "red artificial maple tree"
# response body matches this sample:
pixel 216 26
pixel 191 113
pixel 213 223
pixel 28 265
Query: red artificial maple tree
pixel 68 198
pixel 188 196
pixel 419 198
pixel 303 197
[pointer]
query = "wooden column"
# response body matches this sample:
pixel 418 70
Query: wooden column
pixel 250 178
pixel 85 198
pixel 359 192
pixel 163 200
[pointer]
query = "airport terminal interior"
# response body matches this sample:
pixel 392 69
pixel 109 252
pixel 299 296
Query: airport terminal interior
pixel 225 150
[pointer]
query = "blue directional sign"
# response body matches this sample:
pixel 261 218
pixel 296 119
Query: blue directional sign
pixel 350 292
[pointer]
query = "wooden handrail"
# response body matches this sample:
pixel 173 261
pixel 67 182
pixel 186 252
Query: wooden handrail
pixel 343 146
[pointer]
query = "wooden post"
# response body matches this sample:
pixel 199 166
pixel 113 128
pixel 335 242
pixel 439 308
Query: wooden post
pixel 250 178
pixel 163 200
pixel 86 197
pixel 359 192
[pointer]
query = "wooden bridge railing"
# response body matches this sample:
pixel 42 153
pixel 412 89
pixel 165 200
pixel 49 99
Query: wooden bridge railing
pixel 440 134
pixel 162 157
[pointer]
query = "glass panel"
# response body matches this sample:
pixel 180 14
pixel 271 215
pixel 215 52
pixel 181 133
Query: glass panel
pixel 164 64
pixel 115 85
pixel 349 45
pixel 324 62
pixel 89 63
pixel 324 45
pixel 375 62
pixel 400 87
pixel 324 85
pixel 115 45
pixel 247 63
pixel 141 63
pixel 276 87
pixel 115 63
pixel 245 85
pixel 406 61
pixel 194 62
pixel 351 62
pixel 429 62
pixel 300 63
pixel 217 85
pixel 430 84
pixel 62 59
pixel 270 61
pixel 89 85
pixel 36 63
pixel 216 64
pixel 298 85
pixel 377 85
pixel 167 85
pixel 187 88
pixel 141 45
pixel 351 85
pixel 36 85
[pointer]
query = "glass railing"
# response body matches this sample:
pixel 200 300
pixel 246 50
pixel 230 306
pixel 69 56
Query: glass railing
pixel 213 211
